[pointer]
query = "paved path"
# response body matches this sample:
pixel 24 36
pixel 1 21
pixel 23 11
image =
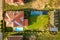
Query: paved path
pixel 51 15
pixel 53 18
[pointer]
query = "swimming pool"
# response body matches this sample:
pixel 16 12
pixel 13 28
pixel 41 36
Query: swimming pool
pixel 38 12
pixel 18 29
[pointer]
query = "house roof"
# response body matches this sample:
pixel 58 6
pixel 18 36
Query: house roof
pixel 15 38
pixel 15 2
pixel 17 17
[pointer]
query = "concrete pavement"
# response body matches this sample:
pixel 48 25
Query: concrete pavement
pixel 0 17
pixel 0 36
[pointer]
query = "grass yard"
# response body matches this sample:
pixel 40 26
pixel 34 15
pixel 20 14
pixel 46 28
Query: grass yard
pixel 38 22
pixel 12 7
pixel 48 36
pixel 39 36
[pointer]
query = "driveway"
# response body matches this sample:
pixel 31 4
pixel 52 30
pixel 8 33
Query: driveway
pixel 0 36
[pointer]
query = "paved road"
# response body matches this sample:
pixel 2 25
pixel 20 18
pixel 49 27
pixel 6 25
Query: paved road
pixel 0 14
pixel 0 17
pixel 0 36
pixel 0 3
pixel 0 9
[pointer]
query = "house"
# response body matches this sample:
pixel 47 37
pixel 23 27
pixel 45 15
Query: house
pixel 14 2
pixel 15 19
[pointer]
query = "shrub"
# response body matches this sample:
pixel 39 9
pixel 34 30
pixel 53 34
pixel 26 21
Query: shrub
pixel 8 29
pixel 27 14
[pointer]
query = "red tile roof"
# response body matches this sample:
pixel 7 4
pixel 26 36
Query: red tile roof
pixel 21 14
pixel 15 16
pixel 15 38
pixel 25 22
pixel 14 1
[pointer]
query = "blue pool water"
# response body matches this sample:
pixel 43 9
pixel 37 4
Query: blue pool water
pixel 18 29
pixel 38 12
pixel 45 12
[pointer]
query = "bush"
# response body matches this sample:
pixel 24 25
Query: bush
pixel 8 29
pixel 3 25
pixel 26 1
pixel 27 14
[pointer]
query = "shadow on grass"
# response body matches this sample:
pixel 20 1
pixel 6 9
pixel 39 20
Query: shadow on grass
pixel 31 19
pixel 17 34
pixel 59 20
pixel 27 1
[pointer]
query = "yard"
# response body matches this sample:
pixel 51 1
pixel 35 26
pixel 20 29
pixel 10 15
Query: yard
pixel 36 35
pixel 37 22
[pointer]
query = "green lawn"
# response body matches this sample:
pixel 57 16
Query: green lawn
pixel 38 22
pixel 12 7
pixel 48 36
pixel 40 35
